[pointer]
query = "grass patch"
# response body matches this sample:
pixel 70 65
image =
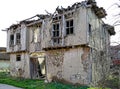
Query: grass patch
pixel 98 88
pixel 34 84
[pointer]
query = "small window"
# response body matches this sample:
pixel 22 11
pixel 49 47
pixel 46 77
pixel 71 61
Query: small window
pixel 90 29
pixel 18 58
pixel 69 27
pixel 18 37
pixel 11 40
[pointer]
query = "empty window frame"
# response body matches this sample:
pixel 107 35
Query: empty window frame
pixel 18 57
pixel 69 27
pixel 18 37
pixel 55 33
pixel 11 40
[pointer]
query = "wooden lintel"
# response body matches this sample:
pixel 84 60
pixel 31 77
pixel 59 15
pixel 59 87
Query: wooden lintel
pixel 17 52
pixel 64 47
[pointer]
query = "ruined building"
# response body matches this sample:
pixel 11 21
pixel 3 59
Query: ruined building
pixel 71 45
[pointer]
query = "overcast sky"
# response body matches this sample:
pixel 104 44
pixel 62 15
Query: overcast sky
pixel 12 11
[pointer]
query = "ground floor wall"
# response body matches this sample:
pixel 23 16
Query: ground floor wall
pixel 100 66
pixel 30 65
pixel 78 65
pixel 69 65
pixel 20 68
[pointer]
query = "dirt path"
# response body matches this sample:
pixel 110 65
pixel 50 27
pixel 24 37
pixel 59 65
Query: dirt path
pixel 5 86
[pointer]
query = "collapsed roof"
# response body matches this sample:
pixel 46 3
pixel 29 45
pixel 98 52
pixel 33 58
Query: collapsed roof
pixel 99 11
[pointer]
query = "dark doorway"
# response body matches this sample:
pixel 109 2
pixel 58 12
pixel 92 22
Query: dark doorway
pixel 36 68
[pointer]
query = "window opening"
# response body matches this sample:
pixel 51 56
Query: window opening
pixel 69 27
pixel 18 58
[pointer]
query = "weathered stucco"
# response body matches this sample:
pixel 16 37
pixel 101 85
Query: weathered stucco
pixel 54 62
pixel 71 65
pixel 80 55
pixel 22 65
pixel 79 18
pixel 23 46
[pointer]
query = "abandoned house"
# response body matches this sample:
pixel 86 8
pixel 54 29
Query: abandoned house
pixel 70 45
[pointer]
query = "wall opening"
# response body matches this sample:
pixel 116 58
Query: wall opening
pixel 18 57
pixel 11 40
pixel 37 68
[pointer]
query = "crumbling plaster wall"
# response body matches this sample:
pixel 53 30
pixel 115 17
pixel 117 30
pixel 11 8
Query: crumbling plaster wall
pixel 54 63
pixel 23 65
pixel 34 46
pixel 96 28
pixel 24 38
pixel 79 36
pixel 80 29
pixel 99 43
pixel 23 41
pixel 71 65
pixel 46 32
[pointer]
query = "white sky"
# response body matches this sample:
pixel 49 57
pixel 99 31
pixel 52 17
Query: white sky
pixel 12 11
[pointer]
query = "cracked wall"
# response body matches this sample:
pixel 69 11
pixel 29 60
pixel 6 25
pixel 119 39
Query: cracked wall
pixel 71 65
pixel 22 65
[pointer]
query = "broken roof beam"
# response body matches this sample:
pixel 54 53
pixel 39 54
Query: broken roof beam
pixel 37 23
pixel 69 8
pixel 91 2
pixel 31 19
pixel 101 13
pixel 110 29
pixel 14 26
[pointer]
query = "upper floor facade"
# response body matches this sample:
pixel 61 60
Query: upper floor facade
pixel 79 24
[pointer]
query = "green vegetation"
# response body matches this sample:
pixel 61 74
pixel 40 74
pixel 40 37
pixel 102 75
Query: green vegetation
pixel 113 81
pixel 34 84
pixel 98 88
